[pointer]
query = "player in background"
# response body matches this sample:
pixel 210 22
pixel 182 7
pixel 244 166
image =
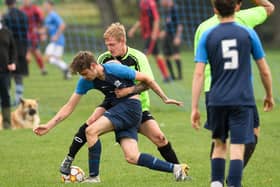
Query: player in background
pixel 35 22
pixel 250 17
pixel 17 22
pixel 7 64
pixel 172 37
pixel 115 40
pixel 123 117
pixel 149 23
pixel 227 47
pixel 55 27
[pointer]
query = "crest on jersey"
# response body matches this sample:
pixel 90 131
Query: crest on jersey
pixel 117 83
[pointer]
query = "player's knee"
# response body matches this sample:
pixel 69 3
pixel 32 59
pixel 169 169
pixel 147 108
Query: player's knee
pixel 131 158
pixel 159 140
pixel 91 132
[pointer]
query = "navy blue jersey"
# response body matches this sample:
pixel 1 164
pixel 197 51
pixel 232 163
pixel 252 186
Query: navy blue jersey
pixel 228 48
pixel 171 19
pixel 116 76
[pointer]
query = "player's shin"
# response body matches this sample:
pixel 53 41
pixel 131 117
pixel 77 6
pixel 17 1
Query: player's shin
pixel 94 153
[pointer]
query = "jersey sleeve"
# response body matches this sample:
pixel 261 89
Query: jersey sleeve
pixel 257 49
pixel 120 71
pixel 201 51
pixel 83 86
pixel 251 17
pixel 58 19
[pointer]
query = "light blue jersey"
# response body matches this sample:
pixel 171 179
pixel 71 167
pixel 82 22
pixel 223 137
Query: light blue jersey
pixel 52 22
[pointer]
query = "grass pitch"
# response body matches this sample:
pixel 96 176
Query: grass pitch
pixel 27 160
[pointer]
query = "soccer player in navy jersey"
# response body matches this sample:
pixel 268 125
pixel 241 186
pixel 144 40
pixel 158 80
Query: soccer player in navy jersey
pixel 115 40
pixel 227 47
pixel 172 37
pixel 123 117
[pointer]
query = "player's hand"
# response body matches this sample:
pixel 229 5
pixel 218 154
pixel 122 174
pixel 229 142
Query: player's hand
pixel 131 32
pixel 41 130
pixel 177 41
pixel 12 67
pixel 54 38
pixel 123 92
pixel 173 101
pixel 195 119
pixel 268 104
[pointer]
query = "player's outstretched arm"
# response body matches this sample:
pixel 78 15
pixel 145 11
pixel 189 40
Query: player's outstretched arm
pixel 62 114
pixel 156 88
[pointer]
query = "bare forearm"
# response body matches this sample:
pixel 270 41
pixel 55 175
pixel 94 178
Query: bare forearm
pixel 137 89
pixel 267 82
pixel 266 4
pixel 62 114
pixel 196 89
pixel 156 88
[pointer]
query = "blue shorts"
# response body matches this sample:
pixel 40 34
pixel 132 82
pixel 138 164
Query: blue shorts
pixel 125 117
pixel 256 114
pixel 238 120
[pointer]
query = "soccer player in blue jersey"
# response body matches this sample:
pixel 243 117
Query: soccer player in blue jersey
pixel 123 117
pixel 227 47
pixel 250 17
pixel 55 27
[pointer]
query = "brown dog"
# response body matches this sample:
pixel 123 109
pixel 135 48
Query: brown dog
pixel 26 115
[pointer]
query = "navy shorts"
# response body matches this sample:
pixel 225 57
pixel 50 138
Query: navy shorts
pixel 236 120
pixel 256 114
pixel 125 117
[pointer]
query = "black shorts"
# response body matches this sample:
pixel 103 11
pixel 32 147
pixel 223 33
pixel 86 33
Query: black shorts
pixel 146 115
pixel 168 46
pixel 151 47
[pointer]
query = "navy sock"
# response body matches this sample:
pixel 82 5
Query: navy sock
pixel 151 162
pixel 235 173
pixel 218 169
pixel 94 153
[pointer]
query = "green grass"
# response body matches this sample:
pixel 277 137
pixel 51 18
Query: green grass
pixel 27 160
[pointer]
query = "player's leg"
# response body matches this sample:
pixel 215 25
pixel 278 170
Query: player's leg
pixel 217 122
pixel 250 147
pixel 100 126
pixel 133 156
pixel 151 130
pixel 5 100
pixel 18 78
pixel 167 51
pixel 178 62
pixel 54 53
pixel 39 58
pixel 79 140
pixel 151 47
pixel 241 132
pixel 218 163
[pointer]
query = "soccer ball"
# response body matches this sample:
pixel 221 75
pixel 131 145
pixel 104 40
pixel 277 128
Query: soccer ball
pixel 76 175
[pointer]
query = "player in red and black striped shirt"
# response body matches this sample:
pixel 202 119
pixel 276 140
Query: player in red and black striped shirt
pixel 149 24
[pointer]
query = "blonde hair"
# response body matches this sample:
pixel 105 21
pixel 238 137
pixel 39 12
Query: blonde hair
pixel 115 30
